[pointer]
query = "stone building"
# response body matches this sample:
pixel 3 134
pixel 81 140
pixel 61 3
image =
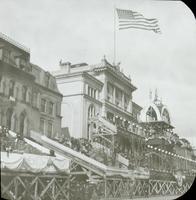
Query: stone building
pixel 29 97
pixel 94 90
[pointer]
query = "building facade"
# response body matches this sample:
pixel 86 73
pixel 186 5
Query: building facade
pixel 29 98
pixel 94 90
pixel 143 137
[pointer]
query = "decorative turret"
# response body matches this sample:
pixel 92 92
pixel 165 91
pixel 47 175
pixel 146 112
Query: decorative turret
pixel 155 111
pixel 104 61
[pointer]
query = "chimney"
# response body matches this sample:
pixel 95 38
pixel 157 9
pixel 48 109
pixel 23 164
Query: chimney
pixel 65 66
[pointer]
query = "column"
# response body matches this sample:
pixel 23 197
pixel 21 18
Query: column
pixel 105 88
pixel 130 105
pixel 114 95
pixel 123 100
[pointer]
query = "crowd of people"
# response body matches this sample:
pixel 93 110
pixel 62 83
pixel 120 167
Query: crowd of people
pixel 80 145
pixel 15 144
pixel 5 144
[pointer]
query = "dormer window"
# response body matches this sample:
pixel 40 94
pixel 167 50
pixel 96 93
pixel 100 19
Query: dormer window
pixel 6 55
pixel 47 79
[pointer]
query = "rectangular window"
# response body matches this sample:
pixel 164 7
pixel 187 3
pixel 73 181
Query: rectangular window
pixel 58 108
pixel 88 90
pixel 17 93
pixel 110 91
pixel 118 97
pixel 95 94
pixel 43 105
pixel 1 54
pixel 11 88
pixel 35 99
pixel 42 126
pixel 92 92
pixel 50 128
pixel 24 93
pixel 126 103
pixel 4 87
pixel 50 108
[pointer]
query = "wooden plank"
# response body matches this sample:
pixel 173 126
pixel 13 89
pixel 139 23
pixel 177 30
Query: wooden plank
pixel 36 189
pixel 7 187
pixel 6 192
pixel 23 174
pixel 46 188
pixel 16 187
pixel 61 189
pixel 43 186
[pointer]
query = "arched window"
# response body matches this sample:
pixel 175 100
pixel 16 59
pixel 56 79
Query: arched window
pixel 1 83
pixel 23 124
pixel 165 116
pixel 17 93
pixel 1 117
pixel 9 114
pixel 14 122
pixel 151 114
pixel 91 111
pixel 4 88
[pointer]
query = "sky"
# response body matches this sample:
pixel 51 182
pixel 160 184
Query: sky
pixel 83 31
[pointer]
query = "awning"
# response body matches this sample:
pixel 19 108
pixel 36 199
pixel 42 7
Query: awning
pixel 33 163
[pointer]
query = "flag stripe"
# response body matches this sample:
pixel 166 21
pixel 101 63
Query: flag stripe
pixel 138 22
pixel 136 27
pixel 154 26
pixel 139 18
pixel 147 28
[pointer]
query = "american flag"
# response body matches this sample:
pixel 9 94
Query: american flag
pixel 130 19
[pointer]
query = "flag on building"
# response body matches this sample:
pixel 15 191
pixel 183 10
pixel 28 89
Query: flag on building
pixel 130 19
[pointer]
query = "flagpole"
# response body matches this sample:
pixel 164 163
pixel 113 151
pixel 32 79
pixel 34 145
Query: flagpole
pixel 114 35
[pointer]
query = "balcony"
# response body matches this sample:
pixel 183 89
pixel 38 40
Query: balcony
pixel 118 102
pixel 110 98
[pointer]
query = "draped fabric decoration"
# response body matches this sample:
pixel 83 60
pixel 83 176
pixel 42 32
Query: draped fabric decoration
pixel 34 163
